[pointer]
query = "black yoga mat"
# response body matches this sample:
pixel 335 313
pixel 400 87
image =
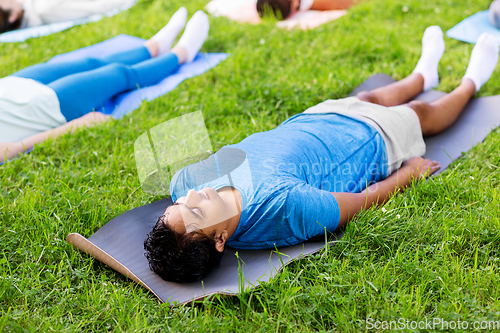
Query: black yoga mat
pixel 119 243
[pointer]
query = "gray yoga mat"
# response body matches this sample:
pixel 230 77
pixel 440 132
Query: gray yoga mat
pixel 119 243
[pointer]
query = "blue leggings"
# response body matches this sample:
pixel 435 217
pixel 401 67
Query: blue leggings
pixel 83 85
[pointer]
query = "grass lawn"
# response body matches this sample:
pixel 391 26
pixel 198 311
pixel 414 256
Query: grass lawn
pixel 433 252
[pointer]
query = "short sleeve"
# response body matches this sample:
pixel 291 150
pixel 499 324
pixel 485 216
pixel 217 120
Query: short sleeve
pixel 310 211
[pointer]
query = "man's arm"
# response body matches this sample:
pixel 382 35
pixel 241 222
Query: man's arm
pixel 332 4
pixel 351 204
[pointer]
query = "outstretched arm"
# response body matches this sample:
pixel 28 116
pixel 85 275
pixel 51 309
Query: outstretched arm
pixel 332 4
pixel 9 150
pixel 377 194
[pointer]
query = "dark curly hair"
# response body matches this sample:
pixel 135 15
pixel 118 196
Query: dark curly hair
pixel 5 25
pixel 280 8
pixel 180 257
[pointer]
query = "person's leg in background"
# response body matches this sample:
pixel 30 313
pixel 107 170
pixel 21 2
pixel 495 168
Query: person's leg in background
pixel 142 73
pixel 48 72
pixel 424 77
pixel 81 93
pixel 438 115
pixel 158 44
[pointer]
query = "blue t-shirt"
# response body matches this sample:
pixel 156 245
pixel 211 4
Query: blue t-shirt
pixel 287 176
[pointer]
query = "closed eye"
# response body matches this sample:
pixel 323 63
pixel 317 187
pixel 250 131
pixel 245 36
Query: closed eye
pixel 196 212
pixel 199 212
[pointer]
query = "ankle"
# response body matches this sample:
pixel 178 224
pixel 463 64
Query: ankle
pixel 469 86
pixel 195 34
pixel 181 53
pixel 153 47
pixel 417 79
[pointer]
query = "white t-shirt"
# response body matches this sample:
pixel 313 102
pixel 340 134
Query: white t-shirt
pixel 38 12
pixel 27 107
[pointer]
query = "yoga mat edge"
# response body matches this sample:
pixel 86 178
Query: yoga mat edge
pixel 86 246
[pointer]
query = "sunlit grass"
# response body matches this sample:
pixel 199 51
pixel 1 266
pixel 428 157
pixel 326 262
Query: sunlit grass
pixel 433 253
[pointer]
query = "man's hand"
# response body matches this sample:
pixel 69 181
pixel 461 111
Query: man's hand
pixel 418 168
pixel 351 204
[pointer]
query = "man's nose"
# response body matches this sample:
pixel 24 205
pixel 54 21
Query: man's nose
pixel 192 198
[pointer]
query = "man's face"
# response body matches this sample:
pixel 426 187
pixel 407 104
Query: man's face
pixel 199 210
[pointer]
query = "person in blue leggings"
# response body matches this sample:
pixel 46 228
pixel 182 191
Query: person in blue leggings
pixel 52 98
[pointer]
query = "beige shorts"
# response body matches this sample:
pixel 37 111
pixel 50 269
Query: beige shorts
pixel 398 125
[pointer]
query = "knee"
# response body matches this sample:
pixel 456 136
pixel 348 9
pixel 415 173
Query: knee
pixel 423 110
pixel 94 62
pixel 420 108
pixel 125 73
pixel 116 66
pixel 367 96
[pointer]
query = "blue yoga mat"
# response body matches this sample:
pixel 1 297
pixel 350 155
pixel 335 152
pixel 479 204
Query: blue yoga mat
pixel 43 30
pixel 472 27
pixel 129 101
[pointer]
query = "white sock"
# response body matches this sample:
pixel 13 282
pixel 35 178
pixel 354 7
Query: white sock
pixel 432 51
pixel 483 60
pixel 195 34
pixel 166 36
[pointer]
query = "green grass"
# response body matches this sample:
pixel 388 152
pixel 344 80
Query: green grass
pixel 433 253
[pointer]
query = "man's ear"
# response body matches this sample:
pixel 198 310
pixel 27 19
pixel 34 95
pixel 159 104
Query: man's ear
pixel 220 241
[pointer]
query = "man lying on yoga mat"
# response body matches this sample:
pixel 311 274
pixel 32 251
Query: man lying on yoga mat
pixel 285 8
pixel 48 99
pixel 316 171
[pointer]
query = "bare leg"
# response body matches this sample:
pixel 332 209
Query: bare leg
pixel 179 51
pixel 424 77
pixel 396 93
pixel 332 4
pixel 434 117
pixel 437 116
